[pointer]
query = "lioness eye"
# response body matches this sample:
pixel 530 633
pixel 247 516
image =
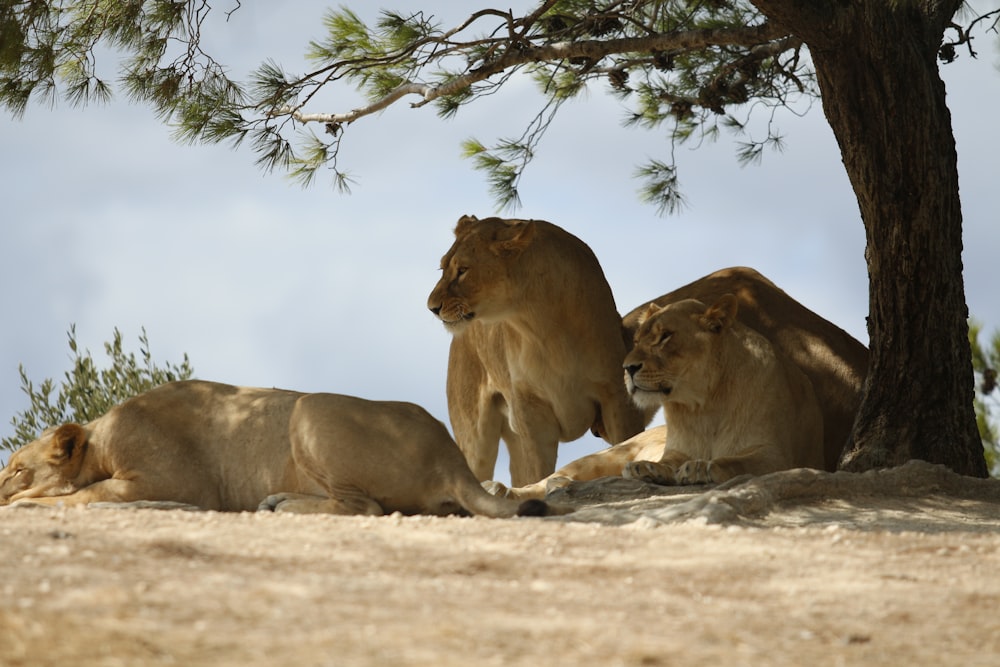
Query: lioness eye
pixel 664 337
pixel 462 270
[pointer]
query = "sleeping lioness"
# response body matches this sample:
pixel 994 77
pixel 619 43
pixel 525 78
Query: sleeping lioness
pixel 229 448
pixel 733 403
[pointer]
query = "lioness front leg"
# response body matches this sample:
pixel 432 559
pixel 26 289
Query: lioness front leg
pixel 106 491
pixel 692 471
pixel 653 472
pixel 697 471
pixel 663 471
pixel 533 457
pixel 757 460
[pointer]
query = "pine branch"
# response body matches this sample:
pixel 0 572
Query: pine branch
pixel 593 50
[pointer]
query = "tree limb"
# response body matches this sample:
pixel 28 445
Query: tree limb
pixel 593 50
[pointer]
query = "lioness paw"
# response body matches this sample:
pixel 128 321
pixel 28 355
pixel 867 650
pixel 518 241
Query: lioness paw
pixel 270 504
pixel 649 471
pixel 495 488
pixel 695 472
pixel 556 482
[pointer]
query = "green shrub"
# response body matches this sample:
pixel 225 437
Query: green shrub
pixel 985 361
pixel 87 392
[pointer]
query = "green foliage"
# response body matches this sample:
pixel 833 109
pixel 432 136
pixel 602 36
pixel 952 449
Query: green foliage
pixel 661 188
pixel 985 363
pixel 503 166
pixel 87 392
pixel 48 49
pixel 695 68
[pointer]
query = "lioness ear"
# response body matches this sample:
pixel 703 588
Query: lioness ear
pixel 464 222
pixel 68 445
pixel 521 233
pixel 720 314
pixel 650 310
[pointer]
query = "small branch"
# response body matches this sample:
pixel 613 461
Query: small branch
pixel 232 11
pixel 395 94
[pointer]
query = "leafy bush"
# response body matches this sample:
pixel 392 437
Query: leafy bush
pixel 87 392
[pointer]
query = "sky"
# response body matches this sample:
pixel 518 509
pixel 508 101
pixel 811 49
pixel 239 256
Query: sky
pixel 106 222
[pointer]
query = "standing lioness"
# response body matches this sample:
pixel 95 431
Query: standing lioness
pixel 221 447
pixel 537 345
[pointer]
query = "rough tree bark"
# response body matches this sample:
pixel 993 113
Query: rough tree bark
pixel 885 101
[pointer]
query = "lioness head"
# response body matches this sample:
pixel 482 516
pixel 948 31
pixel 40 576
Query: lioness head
pixel 675 357
pixel 476 281
pixel 45 467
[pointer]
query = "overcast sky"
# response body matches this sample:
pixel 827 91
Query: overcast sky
pixel 108 223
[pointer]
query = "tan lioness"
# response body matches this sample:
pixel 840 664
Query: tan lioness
pixel 222 447
pixel 835 363
pixel 537 345
pixel 733 404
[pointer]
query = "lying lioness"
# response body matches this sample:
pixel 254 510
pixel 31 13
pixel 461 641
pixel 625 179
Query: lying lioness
pixel 835 363
pixel 231 448
pixel 733 403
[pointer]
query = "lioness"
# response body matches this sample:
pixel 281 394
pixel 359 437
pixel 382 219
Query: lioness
pixel 733 404
pixel 537 345
pixel 835 363
pixel 230 448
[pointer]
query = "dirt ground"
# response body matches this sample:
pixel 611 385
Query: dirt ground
pixel 894 568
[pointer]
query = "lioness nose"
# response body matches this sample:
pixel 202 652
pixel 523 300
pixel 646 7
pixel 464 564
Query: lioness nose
pixel 435 309
pixel 632 369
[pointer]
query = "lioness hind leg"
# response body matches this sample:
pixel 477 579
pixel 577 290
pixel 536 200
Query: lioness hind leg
pixel 299 503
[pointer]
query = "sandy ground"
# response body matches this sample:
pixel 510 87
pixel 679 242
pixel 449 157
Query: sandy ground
pixel 895 568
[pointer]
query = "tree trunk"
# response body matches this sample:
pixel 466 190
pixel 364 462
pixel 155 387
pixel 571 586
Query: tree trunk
pixel 882 94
